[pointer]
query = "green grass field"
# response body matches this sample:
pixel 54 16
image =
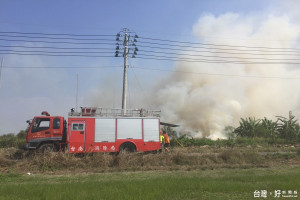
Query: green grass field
pixel 201 184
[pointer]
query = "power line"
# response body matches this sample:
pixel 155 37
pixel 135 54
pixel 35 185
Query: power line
pixel 55 42
pixel 213 56
pixel 157 52
pixel 53 52
pixel 164 49
pixel 186 50
pixel 217 52
pixel 178 54
pixel 211 44
pixel 56 34
pixel 61 67
pixel 48 47
pixel 214 61
pixel 54 38
pixel 151 57
pixel 156 69
pixel 150 51
pixel 190 44
pixel 214 48
pixel 216 74
pixel 55 55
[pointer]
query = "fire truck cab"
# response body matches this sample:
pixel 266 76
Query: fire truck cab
pixel 46 132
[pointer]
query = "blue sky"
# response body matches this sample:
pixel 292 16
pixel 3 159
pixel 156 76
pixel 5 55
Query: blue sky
pixel 164 18
pixel 26 92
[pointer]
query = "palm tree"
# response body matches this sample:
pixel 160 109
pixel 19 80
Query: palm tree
pixel 270 128
pixel 288 127
pixel 248 127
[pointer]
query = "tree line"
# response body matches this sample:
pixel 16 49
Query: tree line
pixel 283 128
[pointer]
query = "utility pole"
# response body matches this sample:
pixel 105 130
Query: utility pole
pixel 1 70
pixel 128 45
pixel 124 95
pixel 76 94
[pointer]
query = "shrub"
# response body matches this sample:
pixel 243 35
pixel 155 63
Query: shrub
pixel 10 140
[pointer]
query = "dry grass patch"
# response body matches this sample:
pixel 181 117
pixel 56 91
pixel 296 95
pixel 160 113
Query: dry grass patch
pixel 178 159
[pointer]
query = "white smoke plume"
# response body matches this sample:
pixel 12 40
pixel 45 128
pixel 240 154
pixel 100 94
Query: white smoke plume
pixel 214 96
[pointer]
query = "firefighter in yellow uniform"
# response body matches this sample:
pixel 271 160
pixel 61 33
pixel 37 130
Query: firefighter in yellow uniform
pixel 162 141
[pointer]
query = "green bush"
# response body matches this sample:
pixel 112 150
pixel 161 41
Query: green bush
pixel 11 140
pixel 235 142
pixel 187 142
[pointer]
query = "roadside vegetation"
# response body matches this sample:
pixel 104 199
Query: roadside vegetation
pixel 254 143
pixel 13 160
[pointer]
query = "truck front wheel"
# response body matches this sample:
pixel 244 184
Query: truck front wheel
pixel 46 148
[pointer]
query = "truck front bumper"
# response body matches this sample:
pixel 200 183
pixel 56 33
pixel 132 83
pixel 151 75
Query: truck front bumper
pixel 30 145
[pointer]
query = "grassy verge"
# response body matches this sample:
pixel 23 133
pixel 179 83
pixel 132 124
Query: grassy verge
pixel 201 184
pixel 191 158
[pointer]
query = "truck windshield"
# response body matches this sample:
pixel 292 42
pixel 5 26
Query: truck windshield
pixel 40 124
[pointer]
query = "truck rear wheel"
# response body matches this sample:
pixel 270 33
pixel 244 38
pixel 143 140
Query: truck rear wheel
pixel 127 147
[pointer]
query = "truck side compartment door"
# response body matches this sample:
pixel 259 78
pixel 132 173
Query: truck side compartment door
pixel 77 136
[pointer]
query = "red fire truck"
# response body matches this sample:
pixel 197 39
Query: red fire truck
pixel 96 130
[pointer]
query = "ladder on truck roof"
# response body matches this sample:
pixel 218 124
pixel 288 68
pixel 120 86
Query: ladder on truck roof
pixel 114 112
